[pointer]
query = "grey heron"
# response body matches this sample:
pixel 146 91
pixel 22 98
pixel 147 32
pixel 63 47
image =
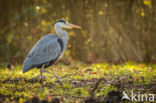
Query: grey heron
pixel 49 49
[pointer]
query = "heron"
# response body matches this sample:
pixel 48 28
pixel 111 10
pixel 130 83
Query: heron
pixel 49 49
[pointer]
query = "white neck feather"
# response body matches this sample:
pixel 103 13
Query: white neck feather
pixel 62 34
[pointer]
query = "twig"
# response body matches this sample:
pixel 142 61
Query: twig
pixel 96 85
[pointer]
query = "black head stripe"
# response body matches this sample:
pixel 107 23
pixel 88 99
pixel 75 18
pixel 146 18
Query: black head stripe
pixel 61 20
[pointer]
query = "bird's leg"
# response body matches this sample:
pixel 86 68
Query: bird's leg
pixel 41 71
pixel 60 82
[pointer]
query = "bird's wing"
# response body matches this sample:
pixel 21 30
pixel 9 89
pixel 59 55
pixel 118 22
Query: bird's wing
pixel 45 50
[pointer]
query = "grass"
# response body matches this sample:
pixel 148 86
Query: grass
pixel 78 82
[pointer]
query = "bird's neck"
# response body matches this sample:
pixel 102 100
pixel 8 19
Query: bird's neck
pixel 62 34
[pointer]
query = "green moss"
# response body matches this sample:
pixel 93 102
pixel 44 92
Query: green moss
pixel 78 80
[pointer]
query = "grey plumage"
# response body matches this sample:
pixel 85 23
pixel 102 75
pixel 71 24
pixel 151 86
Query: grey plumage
pixel 44 51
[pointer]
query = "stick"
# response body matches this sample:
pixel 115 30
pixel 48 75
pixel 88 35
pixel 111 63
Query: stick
pixel 96 85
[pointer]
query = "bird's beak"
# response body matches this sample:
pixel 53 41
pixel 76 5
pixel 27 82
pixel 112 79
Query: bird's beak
pixel 74 26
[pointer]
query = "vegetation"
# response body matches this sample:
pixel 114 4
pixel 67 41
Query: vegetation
pixel 78 82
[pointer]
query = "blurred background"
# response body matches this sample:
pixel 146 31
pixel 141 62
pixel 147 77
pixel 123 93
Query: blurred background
pixel 112 31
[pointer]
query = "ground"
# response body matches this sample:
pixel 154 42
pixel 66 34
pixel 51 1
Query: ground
pixel 95 83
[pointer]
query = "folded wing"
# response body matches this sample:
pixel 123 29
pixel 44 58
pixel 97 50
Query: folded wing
pixel 45 51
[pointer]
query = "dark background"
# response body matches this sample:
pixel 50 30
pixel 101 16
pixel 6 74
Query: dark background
pixel 112 30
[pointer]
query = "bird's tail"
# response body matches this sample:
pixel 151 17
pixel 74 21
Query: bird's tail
pixel 27 65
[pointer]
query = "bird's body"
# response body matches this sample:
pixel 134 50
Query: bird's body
pixel 48 49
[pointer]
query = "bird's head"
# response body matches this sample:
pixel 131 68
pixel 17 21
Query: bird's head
pixel 65 24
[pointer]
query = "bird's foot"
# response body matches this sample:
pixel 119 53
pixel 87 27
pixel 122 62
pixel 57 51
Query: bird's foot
pixel 58 80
